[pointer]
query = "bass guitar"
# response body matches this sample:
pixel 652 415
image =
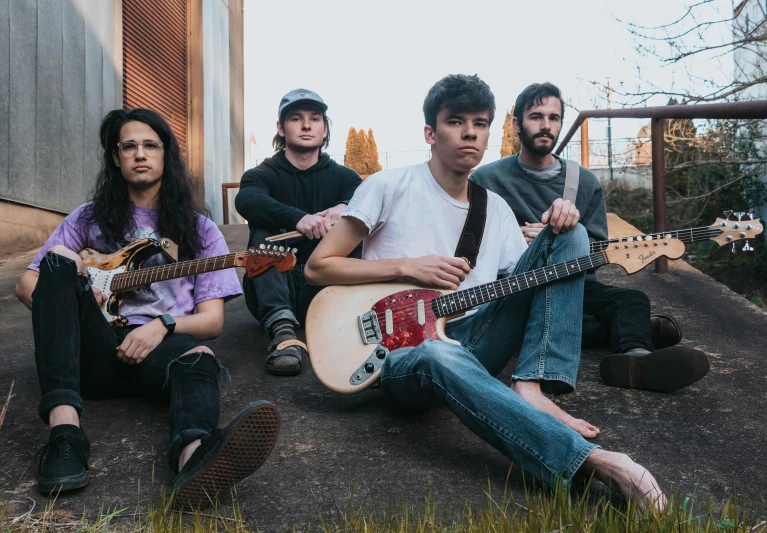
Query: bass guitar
pixel 723 231
pixel 119 274
pixel 350 329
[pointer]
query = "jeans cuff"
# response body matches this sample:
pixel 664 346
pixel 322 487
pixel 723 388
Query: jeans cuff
pixel 556 382
pixel 179 443
pixel 58 397
pixel 578 462
pixel 279 314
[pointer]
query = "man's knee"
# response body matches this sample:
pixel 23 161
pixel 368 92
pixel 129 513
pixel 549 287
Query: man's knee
pixel 199 349
pixel 632 297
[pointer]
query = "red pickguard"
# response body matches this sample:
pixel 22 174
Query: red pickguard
pixel 404 306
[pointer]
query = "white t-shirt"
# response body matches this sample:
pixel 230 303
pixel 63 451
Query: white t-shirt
pixel 409 215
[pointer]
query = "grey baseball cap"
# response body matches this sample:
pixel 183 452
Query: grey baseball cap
pixel 300 96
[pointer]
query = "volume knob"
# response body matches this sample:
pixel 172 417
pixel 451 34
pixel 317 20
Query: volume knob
pixel 380 353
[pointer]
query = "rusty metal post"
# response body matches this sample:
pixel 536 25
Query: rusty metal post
pixel 225 198
pixel 585 143
pixel 659 184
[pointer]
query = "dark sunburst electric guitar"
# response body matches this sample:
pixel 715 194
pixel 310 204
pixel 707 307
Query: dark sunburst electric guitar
pixel 119 274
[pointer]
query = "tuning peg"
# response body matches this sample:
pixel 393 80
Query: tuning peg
pixel 739 214
pixel 294 250
pixel 262 247
pixel 282 249
pixel 727 214
pixel 747 247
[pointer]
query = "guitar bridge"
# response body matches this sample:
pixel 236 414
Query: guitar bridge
pixel 370 330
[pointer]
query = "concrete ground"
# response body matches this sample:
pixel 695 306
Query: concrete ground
pixel 706 440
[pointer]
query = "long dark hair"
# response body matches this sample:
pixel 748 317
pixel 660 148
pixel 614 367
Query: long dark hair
pixel 178 207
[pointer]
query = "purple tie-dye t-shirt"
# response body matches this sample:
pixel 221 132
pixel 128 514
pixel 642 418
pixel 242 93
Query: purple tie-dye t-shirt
pixel 177 297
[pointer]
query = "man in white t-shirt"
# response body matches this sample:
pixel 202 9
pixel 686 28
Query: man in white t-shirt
pixel 409 221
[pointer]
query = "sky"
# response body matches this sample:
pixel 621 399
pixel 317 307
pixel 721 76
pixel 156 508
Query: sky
pixel 373 62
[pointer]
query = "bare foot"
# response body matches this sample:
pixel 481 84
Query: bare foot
pixel 633 480
pixel 530 391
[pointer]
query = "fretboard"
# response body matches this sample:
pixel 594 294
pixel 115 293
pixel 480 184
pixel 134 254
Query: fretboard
pixel 463 300
pixel 144 276
pixel 687 236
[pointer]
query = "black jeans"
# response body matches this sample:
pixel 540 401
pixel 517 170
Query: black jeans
pixel 75 351
pixel 276 295
pixel 615 318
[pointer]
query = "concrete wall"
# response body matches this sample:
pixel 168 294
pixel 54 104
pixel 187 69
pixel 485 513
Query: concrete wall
pixel 24 228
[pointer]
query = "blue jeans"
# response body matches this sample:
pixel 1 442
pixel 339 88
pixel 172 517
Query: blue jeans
pixel 544 324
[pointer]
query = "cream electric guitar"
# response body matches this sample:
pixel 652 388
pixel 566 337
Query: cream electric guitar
pixel 350 329
pixel 119 274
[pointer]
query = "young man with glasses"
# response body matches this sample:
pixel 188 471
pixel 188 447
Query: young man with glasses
pixel 143 190
pixel 298 188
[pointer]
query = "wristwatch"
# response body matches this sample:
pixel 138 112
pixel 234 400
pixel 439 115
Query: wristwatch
pixel 168 322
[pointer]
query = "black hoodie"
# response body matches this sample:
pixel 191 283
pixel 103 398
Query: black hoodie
pixel 275 195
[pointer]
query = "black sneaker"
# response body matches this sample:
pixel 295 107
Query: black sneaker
pixel 666 369
pixel 227 456
pixel 64 460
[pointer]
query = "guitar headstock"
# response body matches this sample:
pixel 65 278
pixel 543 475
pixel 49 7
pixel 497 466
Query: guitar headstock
pixel 257 260
pixel 736 230
pixel 635 253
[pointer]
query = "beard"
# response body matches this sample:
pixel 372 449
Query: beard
pixel 529 142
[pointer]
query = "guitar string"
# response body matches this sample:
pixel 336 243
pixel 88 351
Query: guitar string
pixel 705 231
pixel 139 277
pixel 494 287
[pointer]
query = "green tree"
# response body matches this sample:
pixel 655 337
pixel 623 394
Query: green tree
pixel 510 144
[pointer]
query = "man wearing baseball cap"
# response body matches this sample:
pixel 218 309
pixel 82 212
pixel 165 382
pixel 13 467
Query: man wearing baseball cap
pixel 299 188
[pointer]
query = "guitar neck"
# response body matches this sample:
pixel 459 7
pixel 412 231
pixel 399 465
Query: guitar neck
pixel 687 236
pixel 463 300
pixel 144 276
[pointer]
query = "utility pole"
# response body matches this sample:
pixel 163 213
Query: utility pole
pixel 608 90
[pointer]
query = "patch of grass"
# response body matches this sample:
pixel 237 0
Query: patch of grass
pixel 541 510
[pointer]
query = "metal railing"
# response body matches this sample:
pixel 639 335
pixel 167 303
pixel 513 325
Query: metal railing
pixel 754 109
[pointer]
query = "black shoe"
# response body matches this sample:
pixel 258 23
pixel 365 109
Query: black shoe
pixel 666 369
pixel 664 331
pixel 285 361
pixel 64 460
pixel 227 456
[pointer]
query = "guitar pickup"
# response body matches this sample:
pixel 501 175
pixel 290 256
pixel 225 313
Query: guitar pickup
pixel 370 329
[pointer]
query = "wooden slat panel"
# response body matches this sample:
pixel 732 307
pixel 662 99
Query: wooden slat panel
pixel 49 100
pixel 5 87
pixel 94 102
pixel 73 118
pixel 155 60
pixel 23 104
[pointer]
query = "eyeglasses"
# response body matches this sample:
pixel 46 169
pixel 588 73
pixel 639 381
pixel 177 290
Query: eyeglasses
pixel 130 148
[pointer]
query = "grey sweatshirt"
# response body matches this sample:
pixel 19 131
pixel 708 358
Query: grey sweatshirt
pixel 529 196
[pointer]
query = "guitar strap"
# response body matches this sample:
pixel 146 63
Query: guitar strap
pixel 572 177
pixel 474 227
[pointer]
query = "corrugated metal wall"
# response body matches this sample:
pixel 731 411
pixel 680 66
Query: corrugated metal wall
pixel 155 60
pixel 57 59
